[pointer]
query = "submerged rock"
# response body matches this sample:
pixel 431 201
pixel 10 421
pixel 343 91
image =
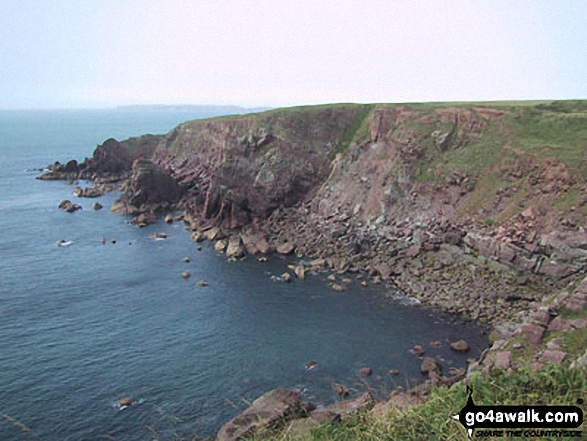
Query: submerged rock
pixel 460 346
pixel 365 372
pixel 159 235
pixel 311 364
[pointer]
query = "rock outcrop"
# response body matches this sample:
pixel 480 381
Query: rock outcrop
pixel 270 411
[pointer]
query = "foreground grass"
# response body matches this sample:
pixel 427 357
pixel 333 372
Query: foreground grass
pixel 432 420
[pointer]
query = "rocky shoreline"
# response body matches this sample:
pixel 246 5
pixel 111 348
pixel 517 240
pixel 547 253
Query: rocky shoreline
pixel 370 193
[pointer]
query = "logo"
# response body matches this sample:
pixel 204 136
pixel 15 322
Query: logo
pixel 529 421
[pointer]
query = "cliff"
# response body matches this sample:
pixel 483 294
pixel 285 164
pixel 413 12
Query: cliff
pixel 483 202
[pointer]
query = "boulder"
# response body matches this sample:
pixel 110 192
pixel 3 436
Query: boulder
pixel 212 233
pixel 418 350
pixel 69 206
pixel 97 206
pixel 460 346
pixel 430 367
pixel 124 208
pixel 341 390
pixel 270 411
pixel 220 246
pixel 185 274
pixel 87 192
pixel 197 236
pixel 126 401
pixel 336 287
pixel 533 334
pixel 285 248
pixel 202 283
pixel 502 360
pixel 145 219
pixel 235 247
pixel 554 356
pixel 347 409
pixel 300 272
pixel 286 277
pixel 169 218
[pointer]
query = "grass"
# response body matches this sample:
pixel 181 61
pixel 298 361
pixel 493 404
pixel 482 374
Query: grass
pixel 351 131
pixel 556 385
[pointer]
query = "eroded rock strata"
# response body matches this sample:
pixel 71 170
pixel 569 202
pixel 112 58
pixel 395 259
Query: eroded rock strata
pixel 451 204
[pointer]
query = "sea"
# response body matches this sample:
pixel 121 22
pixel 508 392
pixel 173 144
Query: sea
pixel 86 324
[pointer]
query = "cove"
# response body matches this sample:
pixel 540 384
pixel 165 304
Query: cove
pixel 115 320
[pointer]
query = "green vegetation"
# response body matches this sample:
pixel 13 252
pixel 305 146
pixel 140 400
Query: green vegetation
pixel 556 385
pixel 350 134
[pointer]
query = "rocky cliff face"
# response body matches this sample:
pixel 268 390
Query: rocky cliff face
pixel 404 193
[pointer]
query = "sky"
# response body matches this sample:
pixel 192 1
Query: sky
pixel 106 53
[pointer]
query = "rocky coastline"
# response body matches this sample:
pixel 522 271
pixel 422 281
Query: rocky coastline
pixel 453 205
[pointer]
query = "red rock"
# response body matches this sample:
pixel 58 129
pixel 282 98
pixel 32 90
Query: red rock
pixel 555 357
pixel 413 251
pixel 348 408
pixel 533 334
pixel 272 409
pixel 541 317
pixel 430 367
pixel 503 359
pixel 559 324
pixel 577 302
pixel 126 401
pixel 579 323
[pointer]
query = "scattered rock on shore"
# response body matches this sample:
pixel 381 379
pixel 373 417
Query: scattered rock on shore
pixel 270 411
pixel 430 367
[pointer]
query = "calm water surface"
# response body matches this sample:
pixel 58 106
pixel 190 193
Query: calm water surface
pixel 83 325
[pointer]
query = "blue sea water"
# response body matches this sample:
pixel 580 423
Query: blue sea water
pixel 84 325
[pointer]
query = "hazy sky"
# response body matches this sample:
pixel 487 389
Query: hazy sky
pixel 88 53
